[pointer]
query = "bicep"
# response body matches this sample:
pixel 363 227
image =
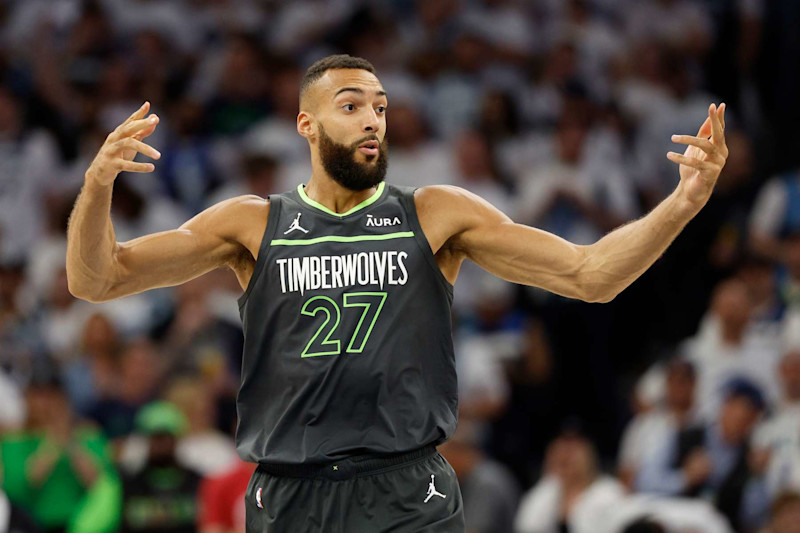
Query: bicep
pixel 168 258
pixel 518 253
pixel 165 259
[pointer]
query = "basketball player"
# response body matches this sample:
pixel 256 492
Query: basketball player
pixel 348 378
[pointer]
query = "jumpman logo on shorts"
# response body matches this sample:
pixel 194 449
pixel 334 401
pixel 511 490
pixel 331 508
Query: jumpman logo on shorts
pixel 296 225
pixel 432 491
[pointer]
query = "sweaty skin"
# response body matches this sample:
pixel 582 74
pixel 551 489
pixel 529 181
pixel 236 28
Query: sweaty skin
pixel 351 106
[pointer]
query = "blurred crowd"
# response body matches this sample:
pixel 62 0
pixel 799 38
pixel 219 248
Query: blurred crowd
pixel 674 408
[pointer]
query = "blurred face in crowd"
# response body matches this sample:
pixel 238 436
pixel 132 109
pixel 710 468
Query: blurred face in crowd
pixel 461 450
pixel 737 418
pixel 244 75
pixel 10 120
pixel 161 451
pixel 680 386
pixel 60 297
pixel 790 376
pixel 339 113
pixel 284 91
pixel 10 281
pixel 739 166
pixel 473 156
pixel 99 336
pixel 260 175
pixel 407 127
pixel 570 137
pixel 193 397
pixel 786 518
pixel 731 304
pixel 46 404
pixel 571 459
pixel 786 514
pixel 139 370
pixel 760 280
pixel 791 254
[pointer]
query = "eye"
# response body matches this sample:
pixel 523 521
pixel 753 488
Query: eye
pixel 382 109
pixel 349 105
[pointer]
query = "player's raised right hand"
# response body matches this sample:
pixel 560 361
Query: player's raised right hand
pixel 121 146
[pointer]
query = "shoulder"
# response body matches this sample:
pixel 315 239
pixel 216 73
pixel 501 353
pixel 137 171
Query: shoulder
pixel 448 203
pixel 238 222
pixel 449 198
pixel 243 202
pixel 228 217
pixel 454 210
pixel 434 195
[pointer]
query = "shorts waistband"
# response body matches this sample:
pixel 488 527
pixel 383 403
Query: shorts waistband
pixel 350 467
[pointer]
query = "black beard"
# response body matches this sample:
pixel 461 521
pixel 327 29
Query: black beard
pixel 340 163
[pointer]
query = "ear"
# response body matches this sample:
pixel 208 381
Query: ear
pixel 305 124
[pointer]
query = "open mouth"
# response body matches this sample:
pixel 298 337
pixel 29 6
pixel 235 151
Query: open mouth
pixel 369 148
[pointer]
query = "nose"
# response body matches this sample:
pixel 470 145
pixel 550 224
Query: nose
pixel 371 122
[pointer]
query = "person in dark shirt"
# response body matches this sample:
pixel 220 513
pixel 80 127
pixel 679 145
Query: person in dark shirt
pixel 162 496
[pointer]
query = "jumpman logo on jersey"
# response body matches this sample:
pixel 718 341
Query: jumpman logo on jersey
pixel 296 225
pixel 432 491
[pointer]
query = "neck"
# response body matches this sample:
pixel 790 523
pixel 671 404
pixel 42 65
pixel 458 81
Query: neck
pixel 576 484
pixel 732 335
pixel 322 189
pixel 681 413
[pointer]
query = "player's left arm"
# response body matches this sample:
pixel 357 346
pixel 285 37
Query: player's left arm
pixel 596 272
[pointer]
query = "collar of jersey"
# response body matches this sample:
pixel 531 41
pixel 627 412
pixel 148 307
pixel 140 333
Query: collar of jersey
pixel 369 201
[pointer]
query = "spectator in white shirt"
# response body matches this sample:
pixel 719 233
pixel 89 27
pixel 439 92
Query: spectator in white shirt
pixel 776 214
pixel 727 346
pixel 576 196
pixel 572 495
pixel 777 441
pixel 649 429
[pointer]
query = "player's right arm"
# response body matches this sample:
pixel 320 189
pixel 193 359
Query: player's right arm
pixel 100 269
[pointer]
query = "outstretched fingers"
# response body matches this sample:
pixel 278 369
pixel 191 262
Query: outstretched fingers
pixel 710 139
pixel 132 166
pixel 699 164
pixel 133 127
pixel 130 143
pixel 717 131
pixel 139 113
pixel 702 143
pixel 705 129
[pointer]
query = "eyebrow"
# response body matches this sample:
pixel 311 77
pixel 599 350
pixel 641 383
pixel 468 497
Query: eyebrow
pixel 357 90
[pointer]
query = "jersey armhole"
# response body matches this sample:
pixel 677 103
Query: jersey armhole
pixel 407 199
pixel 269 233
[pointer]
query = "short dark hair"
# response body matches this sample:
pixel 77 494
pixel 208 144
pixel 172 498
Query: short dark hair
pixel 320 66
pixel 740 387
pixel 644 524
pixel 782 501
pixel 682 365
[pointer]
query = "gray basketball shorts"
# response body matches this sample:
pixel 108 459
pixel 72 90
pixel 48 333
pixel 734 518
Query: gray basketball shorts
pixel 412 492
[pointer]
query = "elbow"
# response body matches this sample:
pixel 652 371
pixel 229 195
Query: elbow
pixel 86 284
pixel 597 289
pixel 84 294
pixel 85 290
pixel 590 285
pixel 606 298
pixel 598 297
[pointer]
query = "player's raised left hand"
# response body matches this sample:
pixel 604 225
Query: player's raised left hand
pixel 704 157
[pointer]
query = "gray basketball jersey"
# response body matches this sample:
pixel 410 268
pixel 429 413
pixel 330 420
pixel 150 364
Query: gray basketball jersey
pixel 347 334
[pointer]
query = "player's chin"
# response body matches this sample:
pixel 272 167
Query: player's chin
pixel 366 160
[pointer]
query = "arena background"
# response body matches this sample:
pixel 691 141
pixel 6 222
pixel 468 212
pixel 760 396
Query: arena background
pixel 558 112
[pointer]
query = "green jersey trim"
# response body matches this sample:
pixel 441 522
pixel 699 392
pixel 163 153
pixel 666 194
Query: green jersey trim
pixel 339 238
pixel 369 201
